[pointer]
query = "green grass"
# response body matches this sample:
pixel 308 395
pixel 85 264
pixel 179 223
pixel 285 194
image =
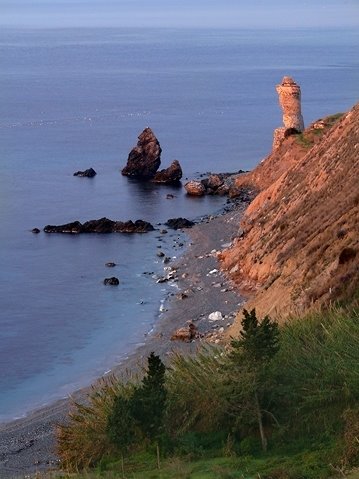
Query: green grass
pixel 306 139
pixel 303 140
pixel 309 464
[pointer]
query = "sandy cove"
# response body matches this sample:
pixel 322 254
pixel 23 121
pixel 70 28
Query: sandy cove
pixel 27 445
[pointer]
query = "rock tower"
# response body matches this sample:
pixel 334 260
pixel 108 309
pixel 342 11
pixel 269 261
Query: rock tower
pixel 289 100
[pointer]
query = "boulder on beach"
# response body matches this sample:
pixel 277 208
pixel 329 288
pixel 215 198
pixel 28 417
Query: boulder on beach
pixel 113 281
pixel 145 158
pixel 178 223
pixel 187 333
pixel 90 173
pixel 102 225
pixel 169 176
pixel 195 188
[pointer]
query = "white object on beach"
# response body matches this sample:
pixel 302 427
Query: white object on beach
pixel 213 271
pixel 216 316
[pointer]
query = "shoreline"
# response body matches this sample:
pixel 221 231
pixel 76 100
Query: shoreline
pixel 27 444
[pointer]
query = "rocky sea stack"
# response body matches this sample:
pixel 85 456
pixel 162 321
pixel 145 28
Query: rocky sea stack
pixel 145 159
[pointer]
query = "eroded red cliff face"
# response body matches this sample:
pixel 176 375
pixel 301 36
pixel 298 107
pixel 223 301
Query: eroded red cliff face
pixel 300 240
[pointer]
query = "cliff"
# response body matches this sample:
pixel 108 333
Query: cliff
pixel 299 240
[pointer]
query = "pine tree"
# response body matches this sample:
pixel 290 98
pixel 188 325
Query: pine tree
pixel 250 356
pixel 147 404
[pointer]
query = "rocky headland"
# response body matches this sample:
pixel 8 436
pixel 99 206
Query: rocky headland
pixel 298 243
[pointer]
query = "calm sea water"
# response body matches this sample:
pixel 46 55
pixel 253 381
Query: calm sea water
pixel 73 99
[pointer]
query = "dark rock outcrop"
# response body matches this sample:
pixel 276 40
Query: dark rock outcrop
pixel 103 226
pixel 179 223
pixel 90 173
pixel 145 158
pixel 35 231
pixel 113 281
pixel 169 176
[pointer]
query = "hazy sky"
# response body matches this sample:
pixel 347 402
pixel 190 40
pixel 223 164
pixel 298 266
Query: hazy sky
pixel 177 13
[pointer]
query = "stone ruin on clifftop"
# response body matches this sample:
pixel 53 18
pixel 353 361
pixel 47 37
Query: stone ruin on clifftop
pixel 289 100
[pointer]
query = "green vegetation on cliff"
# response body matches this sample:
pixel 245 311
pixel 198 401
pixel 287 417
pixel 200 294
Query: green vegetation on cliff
pixel 278 403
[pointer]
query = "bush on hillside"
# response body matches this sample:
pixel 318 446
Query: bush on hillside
pixel 84 440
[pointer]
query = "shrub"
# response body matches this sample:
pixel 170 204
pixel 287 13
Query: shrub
pixel 320 379
pixel 197 397
pixel 84 440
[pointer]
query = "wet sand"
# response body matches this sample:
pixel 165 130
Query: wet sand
pixel 28 445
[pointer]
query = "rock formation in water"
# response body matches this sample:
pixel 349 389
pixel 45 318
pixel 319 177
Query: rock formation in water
pixel 169 176
pixel 103 226
pixel 145 158
pixel 90 173
pixel 179 223
pixel 195 188
pixel 113 281
pixel 289 100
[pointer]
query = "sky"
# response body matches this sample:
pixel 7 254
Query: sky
pixel 179 13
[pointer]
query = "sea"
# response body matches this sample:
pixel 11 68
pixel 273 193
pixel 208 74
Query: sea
pixel 71 99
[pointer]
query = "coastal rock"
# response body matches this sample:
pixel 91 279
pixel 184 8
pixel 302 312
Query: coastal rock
pixel 35 231
pixel 195 188
pixel 110 264
pixel 181 296
pixel 90 173
pixel 243 194
pixel 113 281
pixel 213 182
pixel 169 176
pixel 102 225
pixel 187 333
pixel 179 223
pixel 145 158
pixel 290 102
pixel 69 228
